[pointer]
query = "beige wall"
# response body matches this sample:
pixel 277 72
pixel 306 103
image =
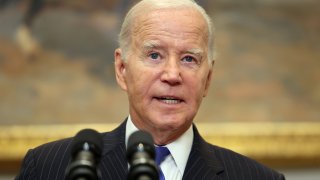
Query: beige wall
pixel 267 70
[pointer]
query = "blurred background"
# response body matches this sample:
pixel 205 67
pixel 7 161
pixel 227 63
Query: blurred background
pixel 56 64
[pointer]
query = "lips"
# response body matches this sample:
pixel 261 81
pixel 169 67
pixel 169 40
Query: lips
pixel 169 99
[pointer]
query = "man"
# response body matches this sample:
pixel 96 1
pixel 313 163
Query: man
pixel 164 63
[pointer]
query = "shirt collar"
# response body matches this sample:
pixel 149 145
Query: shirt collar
pixel 179 149
pixel 130 128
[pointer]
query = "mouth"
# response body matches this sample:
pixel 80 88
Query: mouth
pixel 169 100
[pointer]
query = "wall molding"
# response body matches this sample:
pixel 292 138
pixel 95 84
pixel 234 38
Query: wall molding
pixel 280 145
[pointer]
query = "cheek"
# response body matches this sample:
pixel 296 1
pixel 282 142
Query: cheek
pixel 140 82
pixel 196 87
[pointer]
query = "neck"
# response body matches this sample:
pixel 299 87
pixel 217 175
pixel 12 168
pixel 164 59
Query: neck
pixel 162 135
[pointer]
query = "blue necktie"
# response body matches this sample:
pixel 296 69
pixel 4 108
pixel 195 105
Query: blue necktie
pixel 161 153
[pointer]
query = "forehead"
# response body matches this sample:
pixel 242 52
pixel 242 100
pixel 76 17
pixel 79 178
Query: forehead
pixel 183 24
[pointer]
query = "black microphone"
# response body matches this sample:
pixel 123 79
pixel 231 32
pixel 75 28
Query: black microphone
pixel 86 151
pixel 141 155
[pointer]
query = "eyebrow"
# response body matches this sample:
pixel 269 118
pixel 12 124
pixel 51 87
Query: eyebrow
pixel 151 45
pixel 195 51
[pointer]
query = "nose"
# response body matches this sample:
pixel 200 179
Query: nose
pixel 171 73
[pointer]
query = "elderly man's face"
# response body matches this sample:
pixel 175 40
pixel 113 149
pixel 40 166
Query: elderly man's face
pixel 167 72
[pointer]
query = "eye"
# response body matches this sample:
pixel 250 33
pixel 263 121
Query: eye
pixel 189 59
pixel 154 56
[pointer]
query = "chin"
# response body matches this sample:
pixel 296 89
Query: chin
pixel 171 123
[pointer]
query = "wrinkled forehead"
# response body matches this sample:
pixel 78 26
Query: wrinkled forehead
pixel 183 16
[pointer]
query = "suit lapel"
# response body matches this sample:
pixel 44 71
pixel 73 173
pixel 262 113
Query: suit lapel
pixel 202 162
pixel 113 163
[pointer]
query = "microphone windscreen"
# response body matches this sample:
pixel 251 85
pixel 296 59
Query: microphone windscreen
pixel 141 137
pixel 87 139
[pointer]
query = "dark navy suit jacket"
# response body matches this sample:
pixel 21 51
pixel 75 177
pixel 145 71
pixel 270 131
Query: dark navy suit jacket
pixel 206 161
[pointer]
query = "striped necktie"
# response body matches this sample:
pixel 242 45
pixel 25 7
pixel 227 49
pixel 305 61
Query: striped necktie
pixel 161 153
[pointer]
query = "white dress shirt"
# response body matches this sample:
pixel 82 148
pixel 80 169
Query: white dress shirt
pixel 174 165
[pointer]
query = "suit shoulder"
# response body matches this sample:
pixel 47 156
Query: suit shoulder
pixel 47 161
pixel 239 165
pixel 52 150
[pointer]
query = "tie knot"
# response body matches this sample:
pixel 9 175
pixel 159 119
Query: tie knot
pixel 161 153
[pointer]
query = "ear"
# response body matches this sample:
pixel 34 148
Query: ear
pixel 120 69
pixel 208 82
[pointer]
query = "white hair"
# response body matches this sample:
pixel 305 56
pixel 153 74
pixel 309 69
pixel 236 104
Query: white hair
pixel 149 5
